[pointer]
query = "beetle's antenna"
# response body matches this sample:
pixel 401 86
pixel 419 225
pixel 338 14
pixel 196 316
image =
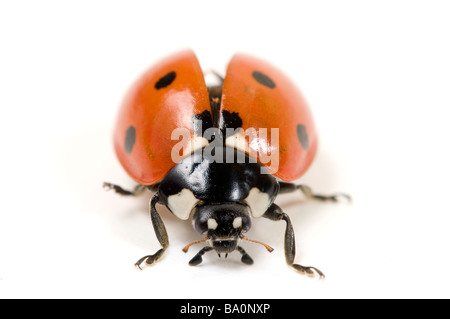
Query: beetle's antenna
pixel 269 249
pixel 185 249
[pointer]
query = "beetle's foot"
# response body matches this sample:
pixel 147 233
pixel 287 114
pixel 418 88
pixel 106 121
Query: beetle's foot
pixel 118 189
pixel 149 259
pixel 309 271
pixel 197 260
pixel 337 197
pixel 108 186
pixel 246 259
pixel 121 191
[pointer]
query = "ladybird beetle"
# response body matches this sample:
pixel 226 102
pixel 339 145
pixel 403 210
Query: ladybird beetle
pixel 242 141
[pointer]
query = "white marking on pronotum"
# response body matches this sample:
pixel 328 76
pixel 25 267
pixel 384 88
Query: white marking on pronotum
pixel 237 222
pixel 181 204
pixel 237 141
pixel 188 144
pixel 258 202
pixel 212 223
pixel 195 144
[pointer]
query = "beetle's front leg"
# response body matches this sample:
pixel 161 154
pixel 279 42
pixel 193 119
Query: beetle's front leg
pixel 276 213
pixel 161 234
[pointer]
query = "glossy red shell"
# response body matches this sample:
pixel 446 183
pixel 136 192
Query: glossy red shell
pixel 275 104
pixel 261 95
pixel 155 113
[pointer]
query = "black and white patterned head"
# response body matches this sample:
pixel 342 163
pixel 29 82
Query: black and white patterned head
pixel 223 224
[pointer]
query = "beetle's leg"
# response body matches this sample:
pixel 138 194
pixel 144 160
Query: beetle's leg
pixel 139 189
pixel 246 259
pixel 160 231
pixel 306 190
pixel 276 213
pixel 198 258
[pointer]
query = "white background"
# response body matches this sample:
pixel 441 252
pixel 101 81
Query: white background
pixel 375 73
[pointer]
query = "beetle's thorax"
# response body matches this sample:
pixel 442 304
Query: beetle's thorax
pixel 200 181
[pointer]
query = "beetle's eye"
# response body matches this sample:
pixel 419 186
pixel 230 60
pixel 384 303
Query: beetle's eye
pixel 201 225
pixel 246 223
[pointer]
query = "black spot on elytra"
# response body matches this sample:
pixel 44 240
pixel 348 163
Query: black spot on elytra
pixel 302 136
pixel 230 123
pixel 201 122
pixel 166 80
pixel 130 139
pixel 263 79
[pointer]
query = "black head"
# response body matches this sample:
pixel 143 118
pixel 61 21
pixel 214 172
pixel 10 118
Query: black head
pixel 223 224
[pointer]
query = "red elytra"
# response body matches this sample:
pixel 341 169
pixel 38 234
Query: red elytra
pixel 170 93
